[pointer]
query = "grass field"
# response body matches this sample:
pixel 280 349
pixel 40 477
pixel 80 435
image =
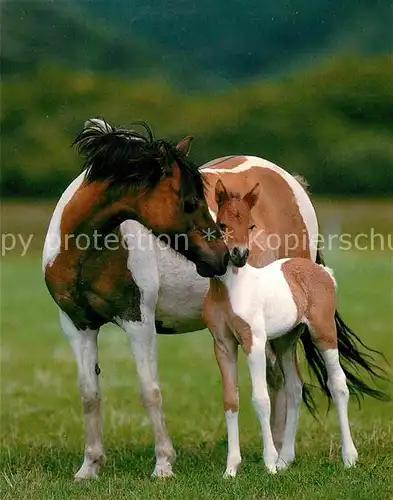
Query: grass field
pixel 41 424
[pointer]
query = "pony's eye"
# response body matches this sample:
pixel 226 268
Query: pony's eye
pixel 190 206
pixel 252 227
pixel 222 227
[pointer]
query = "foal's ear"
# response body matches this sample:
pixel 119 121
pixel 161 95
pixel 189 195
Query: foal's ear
pixel 252 196
pixel 185 145
pixel 221 193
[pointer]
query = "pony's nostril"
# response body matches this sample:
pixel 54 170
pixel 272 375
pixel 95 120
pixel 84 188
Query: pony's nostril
pixel 236 252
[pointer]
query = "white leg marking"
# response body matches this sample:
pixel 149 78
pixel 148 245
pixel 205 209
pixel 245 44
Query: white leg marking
pixel 261 401
pixel 293 391
pixel 225 350
pixel 338 387
pixel 142 337
pixel 84 346
pixel 234 458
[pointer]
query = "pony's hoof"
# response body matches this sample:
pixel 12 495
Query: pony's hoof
pixel 86 473
pixel 162 471
pixel 350 459
pixel 89 469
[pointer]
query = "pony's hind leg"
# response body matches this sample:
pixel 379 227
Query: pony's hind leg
pixel 142 337
pixel 293 391
pixel 260 397
pixel 338 388
pixel 84 346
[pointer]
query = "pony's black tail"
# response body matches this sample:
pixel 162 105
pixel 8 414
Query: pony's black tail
pixel 355 358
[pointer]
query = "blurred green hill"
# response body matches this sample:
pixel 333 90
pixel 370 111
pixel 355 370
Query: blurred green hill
pixel 235 39
pixel 333 124
pixel 62 33
pixel 331 121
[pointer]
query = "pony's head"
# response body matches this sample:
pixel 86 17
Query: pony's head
pixel 235 220
pixel 154 182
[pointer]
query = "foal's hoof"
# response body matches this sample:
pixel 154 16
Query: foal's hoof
pixel 162 471
pixel 272 469
pixel 284 461
pixel 230 472
pixel 270 461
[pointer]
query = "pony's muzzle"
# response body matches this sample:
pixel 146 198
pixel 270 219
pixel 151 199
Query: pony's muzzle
pixel 239 256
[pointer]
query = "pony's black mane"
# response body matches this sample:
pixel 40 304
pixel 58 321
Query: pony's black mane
pixel 126 157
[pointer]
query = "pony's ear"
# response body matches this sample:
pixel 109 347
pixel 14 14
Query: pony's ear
pixel 252 196
pixel 185 145
pixel 221 193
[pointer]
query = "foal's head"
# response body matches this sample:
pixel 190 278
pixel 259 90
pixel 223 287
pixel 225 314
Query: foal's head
pixel 153 181
pixel 235 220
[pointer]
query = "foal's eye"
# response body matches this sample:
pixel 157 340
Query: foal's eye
pixel 251 227
pixel 222 227
pixel 190 206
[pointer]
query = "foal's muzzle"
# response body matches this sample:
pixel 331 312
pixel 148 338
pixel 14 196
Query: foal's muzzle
pixel 239 256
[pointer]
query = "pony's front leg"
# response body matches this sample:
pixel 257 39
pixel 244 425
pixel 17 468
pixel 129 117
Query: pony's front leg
pixel 84 346
pixel 142 336
pixel 226 354
pixel 260 398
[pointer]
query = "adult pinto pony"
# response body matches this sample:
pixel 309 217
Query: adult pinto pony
pixel 129 177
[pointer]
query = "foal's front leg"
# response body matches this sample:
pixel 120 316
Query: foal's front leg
pixel 142 336
pixel 226 354
pixel 260 398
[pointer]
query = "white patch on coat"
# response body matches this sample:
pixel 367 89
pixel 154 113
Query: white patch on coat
pixel 306 208
pixel 170 285
pixel 53 236
pixel 181 292
pixel 141 262
pixel 262 296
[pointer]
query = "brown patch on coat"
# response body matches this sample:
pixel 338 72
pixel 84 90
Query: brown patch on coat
pixel 229 389
pixel 219 317
pixel 227 162
pixel 271 217
pixel 314 294
pixel 112 290
pixel 93 285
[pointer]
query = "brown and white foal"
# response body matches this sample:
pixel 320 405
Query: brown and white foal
pixel 249 306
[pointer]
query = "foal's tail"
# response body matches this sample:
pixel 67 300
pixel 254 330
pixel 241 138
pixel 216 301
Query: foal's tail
pixel 355 358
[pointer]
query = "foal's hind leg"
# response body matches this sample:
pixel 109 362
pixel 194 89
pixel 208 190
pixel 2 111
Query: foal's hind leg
pixel 293 391
pixel 338 388
pixel 323 330
pixel 84 346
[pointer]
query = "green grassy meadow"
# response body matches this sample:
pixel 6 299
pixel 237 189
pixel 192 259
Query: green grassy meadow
pixel 41 422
